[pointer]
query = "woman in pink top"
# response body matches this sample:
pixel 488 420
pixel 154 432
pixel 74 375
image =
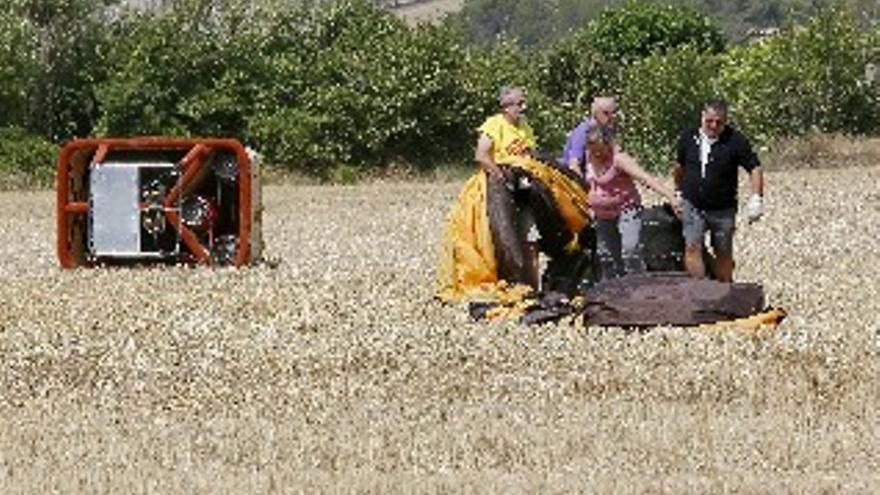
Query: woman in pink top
pixel 616 203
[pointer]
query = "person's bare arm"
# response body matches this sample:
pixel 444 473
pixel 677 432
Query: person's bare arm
pixel 755 207
pixel 483 156
pixel 680 160
pixel 629 165
pixel 575 165
pixel 756 177
pixel 677 175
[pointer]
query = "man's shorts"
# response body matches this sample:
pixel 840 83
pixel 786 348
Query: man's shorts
pixel 721 225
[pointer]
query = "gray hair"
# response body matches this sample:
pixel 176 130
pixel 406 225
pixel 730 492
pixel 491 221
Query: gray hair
pixel 603 103
pixel 506 92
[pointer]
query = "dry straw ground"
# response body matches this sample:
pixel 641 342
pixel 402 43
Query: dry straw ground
pixel 335 371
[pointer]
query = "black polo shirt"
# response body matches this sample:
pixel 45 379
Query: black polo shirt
pixel 716 190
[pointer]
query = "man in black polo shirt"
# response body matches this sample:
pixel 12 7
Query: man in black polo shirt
pixel 708 159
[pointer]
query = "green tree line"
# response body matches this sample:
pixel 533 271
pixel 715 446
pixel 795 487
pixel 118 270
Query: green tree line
pixel 319 85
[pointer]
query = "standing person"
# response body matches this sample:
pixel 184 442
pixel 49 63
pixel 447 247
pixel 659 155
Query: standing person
pixel 603 112
pixel 505 135
pixel 708 158
pixel 502 138
pixel 616 202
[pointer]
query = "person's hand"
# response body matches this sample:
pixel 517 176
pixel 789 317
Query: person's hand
pixel 676 204
pixel 755 208
pixel 496 173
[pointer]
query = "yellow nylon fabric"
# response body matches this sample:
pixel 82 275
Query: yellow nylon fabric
pixel 768 319
pixel 571 198
pixel 467 269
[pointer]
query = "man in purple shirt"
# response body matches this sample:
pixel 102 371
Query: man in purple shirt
pixel 603 111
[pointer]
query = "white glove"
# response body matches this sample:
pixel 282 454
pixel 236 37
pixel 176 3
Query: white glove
pixel 755 208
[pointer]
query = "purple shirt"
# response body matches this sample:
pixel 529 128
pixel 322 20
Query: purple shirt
pixel 576 145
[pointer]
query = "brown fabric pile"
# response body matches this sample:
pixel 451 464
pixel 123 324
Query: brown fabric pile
pixel 669 298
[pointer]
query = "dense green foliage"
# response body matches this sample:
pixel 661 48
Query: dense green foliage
pixel 642 29
pixel 189 70
pixel 662 94
pixel 25 159
pixel 809 79
pixel 18 66
pixel 71 45
pixel 594 59
pixel 353 84
pixel 324 86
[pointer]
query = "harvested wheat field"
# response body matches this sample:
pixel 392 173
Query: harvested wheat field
pixel 336 372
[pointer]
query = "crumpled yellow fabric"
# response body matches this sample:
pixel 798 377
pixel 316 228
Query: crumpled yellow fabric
pixel 767 319
pixel 467 269
pixel 572 198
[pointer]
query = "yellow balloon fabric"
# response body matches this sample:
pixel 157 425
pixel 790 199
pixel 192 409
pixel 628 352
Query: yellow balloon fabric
pixel 467 268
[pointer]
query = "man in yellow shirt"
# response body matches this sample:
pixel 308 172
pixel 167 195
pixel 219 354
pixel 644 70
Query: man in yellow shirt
pixel 503 137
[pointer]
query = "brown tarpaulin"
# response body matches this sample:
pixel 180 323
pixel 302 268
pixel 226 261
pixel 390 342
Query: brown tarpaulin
pixel 670 298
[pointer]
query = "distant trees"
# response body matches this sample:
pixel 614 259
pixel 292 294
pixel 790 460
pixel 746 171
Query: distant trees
pixel 353 84
pixel 806 79
pixel 19 65
pixel 624 51
pixel 50 58
pixel 71 36
pixel 186 69
pixel 321 85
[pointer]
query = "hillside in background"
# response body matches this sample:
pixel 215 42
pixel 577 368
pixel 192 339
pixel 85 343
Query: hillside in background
pixel 426 10
pixel 539 23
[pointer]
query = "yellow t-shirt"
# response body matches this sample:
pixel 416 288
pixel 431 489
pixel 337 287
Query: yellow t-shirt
pixel 508 140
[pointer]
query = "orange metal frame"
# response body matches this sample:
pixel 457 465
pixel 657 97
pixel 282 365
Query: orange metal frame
pixel 197 151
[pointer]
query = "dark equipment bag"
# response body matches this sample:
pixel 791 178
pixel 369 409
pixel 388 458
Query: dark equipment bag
pixel 663 242
pixel 569 273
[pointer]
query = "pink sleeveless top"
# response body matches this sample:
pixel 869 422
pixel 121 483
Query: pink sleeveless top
pixel 612 192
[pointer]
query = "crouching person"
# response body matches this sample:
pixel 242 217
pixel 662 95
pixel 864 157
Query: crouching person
pixel 503 137
pixel 617 205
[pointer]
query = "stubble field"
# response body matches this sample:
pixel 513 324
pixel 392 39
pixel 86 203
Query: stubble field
pixel 336 371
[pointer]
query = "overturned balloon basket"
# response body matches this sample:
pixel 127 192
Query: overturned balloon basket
pixel 157 200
